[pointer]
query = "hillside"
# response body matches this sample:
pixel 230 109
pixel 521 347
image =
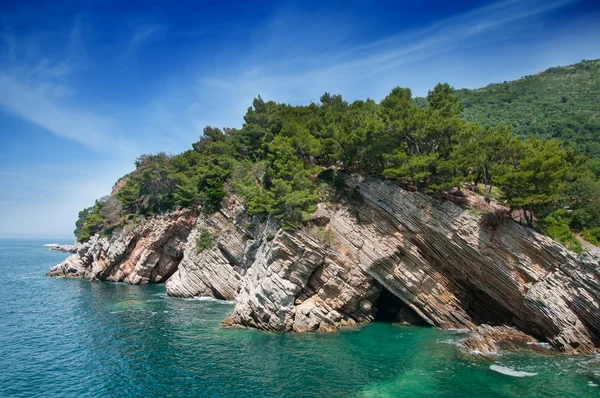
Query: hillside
pixel 561 102
pixel 283 159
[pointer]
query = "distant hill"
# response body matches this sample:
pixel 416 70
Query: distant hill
pixel 561 102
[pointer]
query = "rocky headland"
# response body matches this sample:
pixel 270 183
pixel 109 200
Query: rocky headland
pixel 387 253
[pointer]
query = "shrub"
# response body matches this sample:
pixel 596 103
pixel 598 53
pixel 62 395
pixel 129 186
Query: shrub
pixel 326 236
pixel 585 234
pixel 204 241
pixel 591 235
pixel 558 229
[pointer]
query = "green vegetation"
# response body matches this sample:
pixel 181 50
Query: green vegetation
pixel 558 103
pixel 285 158
pixel 326 236
pixel 103 217
pixel 592 235
pixel 204 241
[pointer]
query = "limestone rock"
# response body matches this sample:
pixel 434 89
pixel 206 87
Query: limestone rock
pixel 217 271
pixel 149 253
pixel 487 340
pixel 440 263
pixel 72 267
pixel 439 259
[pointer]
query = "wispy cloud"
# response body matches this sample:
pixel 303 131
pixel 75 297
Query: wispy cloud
pixel 142 33
pixel 291 77
pixel 40 104
pixel 37 87
pixel 10 43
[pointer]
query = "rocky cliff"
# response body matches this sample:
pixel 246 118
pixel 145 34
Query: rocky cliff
pixel 149 253
pixel 389 253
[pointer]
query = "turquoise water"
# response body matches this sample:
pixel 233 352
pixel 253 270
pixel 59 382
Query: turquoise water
pixel 63 337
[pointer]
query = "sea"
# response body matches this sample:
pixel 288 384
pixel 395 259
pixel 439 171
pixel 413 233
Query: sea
pixel 76 338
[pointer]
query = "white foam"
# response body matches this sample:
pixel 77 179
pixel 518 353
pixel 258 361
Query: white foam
pixel 449 341
pixel 458 331
pixel 210 299
pixel 510 372
pixel 592 384
pixel 540 344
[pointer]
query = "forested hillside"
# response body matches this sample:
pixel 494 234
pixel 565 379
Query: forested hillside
pixel 561 102
pixel 285 158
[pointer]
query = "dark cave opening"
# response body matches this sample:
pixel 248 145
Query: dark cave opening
pixel 484 309
pixel 390 308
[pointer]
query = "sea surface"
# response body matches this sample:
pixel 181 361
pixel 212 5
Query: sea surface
pixel 75 338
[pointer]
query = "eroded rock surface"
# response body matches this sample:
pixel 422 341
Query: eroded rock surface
pixel 216 271
pixel 437 258
pixel 487 340
pixel 434 261
pixel 149 253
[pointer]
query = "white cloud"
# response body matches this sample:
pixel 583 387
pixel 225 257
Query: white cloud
pixel 40 104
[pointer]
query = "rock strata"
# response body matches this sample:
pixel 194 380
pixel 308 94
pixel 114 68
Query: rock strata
pixel 438 258
pixel 384 254
pixel 216 271
pixel 487 340
pixel 149 253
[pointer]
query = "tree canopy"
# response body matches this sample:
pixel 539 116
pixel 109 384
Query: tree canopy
pixel 273 161
pixel 561 103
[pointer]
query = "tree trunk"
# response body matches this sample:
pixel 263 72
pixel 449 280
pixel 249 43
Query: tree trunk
pixel 528 218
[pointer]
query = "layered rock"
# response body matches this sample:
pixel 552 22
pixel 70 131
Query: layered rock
pixel 438 259
pixel 487 340
pixel 216 271
pixel 149 253
pixel 386 252
pixel 297 284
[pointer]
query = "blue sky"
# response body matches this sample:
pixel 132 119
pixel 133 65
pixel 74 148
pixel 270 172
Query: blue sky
pixel 86 87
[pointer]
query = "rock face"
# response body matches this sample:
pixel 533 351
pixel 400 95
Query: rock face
pixel 437 258
pixel 388 254
pixel 487 340
pixel 217 271
pixel 149 253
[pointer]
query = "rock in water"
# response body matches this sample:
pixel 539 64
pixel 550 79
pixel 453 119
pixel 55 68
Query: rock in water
pixel 389 252
pixel 437 258
pixel 62 248
pixel 149 253
pixel 487 340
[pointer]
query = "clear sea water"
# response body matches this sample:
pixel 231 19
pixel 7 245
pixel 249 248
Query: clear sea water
pixel 75 338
